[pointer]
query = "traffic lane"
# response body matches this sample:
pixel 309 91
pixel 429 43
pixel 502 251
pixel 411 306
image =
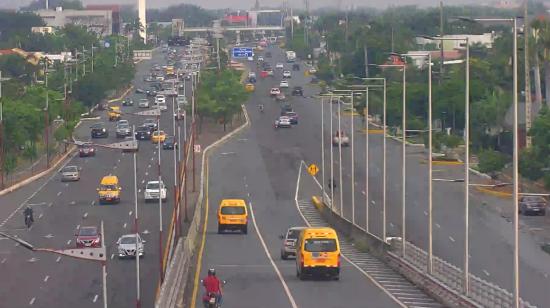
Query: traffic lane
pixel 271 173
pixel 231 253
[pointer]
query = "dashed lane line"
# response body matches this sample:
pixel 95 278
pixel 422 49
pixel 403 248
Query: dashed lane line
pixel 95 298
pixel 46 278
pixel 32 301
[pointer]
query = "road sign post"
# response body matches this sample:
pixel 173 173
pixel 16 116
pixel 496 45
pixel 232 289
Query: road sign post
pixel 312 169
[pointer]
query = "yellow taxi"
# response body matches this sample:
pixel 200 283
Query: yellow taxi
pixel 249 87
pixel 318 252
pixel 158 136
pixel 114 113
pixel 109 190
pixel 232 215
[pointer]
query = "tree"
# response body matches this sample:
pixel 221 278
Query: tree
pixel 220 95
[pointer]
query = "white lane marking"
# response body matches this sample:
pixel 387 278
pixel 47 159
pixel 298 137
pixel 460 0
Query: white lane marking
pixel 391 225
pixel 149 166
pixel 425 213
pixel 95 298
pixel 93 203
pixel 78 226
pixel 363 192
pixel 227 153
pixel 372 201
pixel 3 261
pixel 139 190
pixel 130 213
pixel 152 158
pixel 58 193
pixel 486 273
pixel 452 239
pixel 46 278
pixel 85 215
pixel 32 301
pixel 50 204
pixel 112 256
pixel 124 225
pixel 58 259
pixel 437 225
pixel 49 235
pixel 69 242
pixel 118 161
pixel 146 173
pixel 275 268
pixel 142 181
pixel 40 216
pixel 114 167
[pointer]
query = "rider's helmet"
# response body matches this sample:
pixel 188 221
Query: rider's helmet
pixel 211 272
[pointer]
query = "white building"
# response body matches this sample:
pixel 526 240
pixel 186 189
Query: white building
pixel 98 21
pixel 485 39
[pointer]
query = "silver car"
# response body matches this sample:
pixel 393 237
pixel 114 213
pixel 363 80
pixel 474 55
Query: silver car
pixel 126 246
pixel 289 242
pixel 70 173
pixel 143 103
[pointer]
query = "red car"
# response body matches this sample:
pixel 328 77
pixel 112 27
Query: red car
pixel 264 74
pixel 87 237
pixel 86 150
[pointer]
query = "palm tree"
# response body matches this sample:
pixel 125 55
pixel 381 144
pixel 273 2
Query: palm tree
pixel 542 39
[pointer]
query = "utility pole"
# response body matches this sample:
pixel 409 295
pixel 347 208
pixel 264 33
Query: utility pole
pixel 366 59
pixel 218 54
pixel 1 137
pixel 116 51
pixel 83 61
pixel 441 42
pixel 528 100
pixel 46 118
pixel 92 58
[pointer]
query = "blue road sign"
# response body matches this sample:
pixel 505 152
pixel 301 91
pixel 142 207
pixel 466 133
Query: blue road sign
pixel 242 52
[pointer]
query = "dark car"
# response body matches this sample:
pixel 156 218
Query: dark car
pixel 252 79
pixel 169 143
pixel 293 116
pixel 86 150
pixel 151 123
pixel 297 91
pixel 286 108
pixel 532 205
pixel 99 131
pixel 143 133
pixel 88 237
pixel 295 67
pixel 151 93
pixel 265 65
pixel 128 102
pixel 139 90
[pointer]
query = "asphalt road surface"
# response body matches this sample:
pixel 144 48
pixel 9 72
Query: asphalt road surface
pixel 48 280
pixel 260 165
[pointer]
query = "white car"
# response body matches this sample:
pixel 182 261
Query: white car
pixel 260 58
pixel 283 84
pixel 251 75
pixel 143 103
pixel 279 65
pixel 250 59
pixel 152 191
pixel 286 74
pixel 312 70
pixel 283 122
pixel 160 98
pixel 274 91
pixel 126 246
pixel 160 105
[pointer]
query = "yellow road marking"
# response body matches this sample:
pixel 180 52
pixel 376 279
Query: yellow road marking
pixel 203 241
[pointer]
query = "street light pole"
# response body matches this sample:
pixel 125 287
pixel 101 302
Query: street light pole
pixel 46 118
pixel 136 230
pixel 175 152
pixel 1 136
pixel 515 165
pixel 331 159
pixel 340 156
pixel 352 163
pixel 467 175
pixel 323 149
pixel 104 268
pixel 161 263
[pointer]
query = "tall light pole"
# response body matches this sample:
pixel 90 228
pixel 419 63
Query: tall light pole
pixel 366 115
pixel 1 136
pixel 466 265
pixel 322 148
pixel 46 116
pixel 160 185
pixel 136 229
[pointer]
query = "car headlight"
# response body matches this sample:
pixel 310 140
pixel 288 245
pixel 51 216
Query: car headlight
pixel 103 130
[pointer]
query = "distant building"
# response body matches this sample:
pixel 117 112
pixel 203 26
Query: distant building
pixel 115 14
pixel 485 39
pixel 420 60
pixel 177 27
pixel 506 4
pixel 98 21
pixel 42 30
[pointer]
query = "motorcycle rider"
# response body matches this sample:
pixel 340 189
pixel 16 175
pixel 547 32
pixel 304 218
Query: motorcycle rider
pixel 213 285
pixel 261 106
pixel 28 212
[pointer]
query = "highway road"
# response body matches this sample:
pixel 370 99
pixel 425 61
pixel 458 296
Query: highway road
pixel 261 165
pixel 490 234
pixel 47 280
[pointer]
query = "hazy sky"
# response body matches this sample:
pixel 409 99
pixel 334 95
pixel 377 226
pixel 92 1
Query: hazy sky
pixel 249 3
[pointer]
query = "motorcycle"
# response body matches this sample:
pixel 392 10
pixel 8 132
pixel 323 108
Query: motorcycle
pixel 28 221
pixel 211 299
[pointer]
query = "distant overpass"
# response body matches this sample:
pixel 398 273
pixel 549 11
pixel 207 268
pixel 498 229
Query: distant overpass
pixel 234 29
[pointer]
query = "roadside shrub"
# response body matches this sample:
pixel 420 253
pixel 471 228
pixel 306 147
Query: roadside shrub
pixel 491 161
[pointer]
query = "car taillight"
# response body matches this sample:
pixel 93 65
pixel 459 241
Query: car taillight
pixel 338 256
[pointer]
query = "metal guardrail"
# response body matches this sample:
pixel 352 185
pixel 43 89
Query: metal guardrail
pixel 482 292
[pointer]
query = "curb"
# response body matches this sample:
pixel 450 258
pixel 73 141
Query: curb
pixel 122 96
pixel 446 163
pixel 499 194
pixel 38 175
